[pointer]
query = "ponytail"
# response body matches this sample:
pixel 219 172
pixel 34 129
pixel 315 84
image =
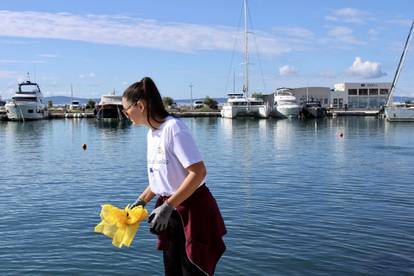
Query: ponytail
pixel 148 91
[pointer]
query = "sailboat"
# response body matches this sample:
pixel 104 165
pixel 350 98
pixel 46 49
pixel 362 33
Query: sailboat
pixel 240 104
pixel 400 112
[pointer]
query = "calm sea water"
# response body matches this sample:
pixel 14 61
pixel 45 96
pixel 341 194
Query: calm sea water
pixel 296 197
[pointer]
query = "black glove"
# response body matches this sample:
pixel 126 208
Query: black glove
pixel 159 218
pixel 138 202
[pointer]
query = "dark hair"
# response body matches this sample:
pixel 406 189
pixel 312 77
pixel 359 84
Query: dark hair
pixel 146 89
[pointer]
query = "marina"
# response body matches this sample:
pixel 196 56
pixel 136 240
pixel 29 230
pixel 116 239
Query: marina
pixel 301 199
pixel 206 137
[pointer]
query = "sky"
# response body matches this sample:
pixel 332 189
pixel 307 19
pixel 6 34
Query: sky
pixel 99 46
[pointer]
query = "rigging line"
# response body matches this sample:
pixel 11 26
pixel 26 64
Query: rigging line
pixel 400 64
pixel 234 50
pixel 257 49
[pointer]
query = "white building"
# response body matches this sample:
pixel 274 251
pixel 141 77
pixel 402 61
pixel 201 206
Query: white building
pixel 360 95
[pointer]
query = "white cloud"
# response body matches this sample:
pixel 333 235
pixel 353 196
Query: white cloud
pixel 365 69
pixel 345 35
pixel 128 31
pixel 297 32
pixel 11 61
pixel 401 21
pixel 287 70
pixel 9 75
pixel 48 55
pixel 349 15
pixel 87 75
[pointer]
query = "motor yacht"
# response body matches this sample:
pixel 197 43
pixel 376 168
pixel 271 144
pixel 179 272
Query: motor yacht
pixel 27 104
pixel 285 104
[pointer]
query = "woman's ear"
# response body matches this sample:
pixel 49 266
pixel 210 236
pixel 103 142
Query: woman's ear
pixel 141 106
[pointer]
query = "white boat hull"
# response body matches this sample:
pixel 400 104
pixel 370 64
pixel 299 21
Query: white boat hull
pixel 400 114
pixel 260 111
pixel 16 112
pixel 286 111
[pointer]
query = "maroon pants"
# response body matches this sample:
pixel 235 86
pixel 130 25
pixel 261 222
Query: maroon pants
pixel 176 262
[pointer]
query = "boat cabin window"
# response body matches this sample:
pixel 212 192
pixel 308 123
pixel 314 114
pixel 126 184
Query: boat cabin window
pixel 25 99
pixel 28 89
pixel 383 91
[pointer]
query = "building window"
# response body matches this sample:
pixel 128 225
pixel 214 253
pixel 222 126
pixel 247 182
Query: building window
pixel 383 91
pixel 352 92
pixel 373 102
pixel 325 101
pixel 363 102
pixel 353 102
pixel 363 92
pixel 373 91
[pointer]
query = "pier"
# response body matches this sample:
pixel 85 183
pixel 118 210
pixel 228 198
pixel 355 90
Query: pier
pixel 334 112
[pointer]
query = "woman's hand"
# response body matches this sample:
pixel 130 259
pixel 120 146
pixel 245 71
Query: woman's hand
pixel 159 218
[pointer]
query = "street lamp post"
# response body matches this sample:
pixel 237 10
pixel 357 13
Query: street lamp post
pixel 191 95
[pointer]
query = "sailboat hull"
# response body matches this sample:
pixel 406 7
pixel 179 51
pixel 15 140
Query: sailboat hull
pixel 260 111
pixel 400 114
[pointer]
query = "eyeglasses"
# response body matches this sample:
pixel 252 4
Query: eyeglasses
pixel 125 111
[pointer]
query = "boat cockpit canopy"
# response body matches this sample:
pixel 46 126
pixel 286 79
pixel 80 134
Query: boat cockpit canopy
pixel 28 88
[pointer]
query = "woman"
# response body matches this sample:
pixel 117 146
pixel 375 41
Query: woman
pixel 186 217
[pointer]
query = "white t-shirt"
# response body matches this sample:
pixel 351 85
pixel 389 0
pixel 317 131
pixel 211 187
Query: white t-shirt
pixel 170 149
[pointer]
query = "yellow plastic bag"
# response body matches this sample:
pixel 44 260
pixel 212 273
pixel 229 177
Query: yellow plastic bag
pixel 120 225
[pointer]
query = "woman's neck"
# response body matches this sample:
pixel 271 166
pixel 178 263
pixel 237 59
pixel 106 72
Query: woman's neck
pixel 155 124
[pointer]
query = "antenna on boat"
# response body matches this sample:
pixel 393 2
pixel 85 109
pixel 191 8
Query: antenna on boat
pixel 246 54
pixel 71 93
pixel 234 81
pixel 34 72
pixel 400 64
pixel 28 76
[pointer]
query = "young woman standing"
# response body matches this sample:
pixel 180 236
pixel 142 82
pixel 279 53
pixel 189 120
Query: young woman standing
pixel 186 217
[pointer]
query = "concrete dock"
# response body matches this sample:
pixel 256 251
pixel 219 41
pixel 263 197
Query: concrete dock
pixel 352 113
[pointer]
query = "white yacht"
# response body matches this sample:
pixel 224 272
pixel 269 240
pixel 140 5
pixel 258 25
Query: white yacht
pixel 285 104
pixel 110 107
pixel 398 112
pixel 27 103
pixel 240 104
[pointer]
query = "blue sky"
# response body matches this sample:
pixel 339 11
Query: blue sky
pixel 99 46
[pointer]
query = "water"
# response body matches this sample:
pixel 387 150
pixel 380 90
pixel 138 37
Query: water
pixel 297 198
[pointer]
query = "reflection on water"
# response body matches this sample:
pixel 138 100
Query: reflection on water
pixel 297 197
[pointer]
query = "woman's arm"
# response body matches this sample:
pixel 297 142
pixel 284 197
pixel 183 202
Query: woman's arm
pixel 147 195
pixel 196 174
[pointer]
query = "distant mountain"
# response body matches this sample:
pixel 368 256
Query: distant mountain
pixel 60 100
pixel 188 101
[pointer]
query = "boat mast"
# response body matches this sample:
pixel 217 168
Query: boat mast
pixel 400 65
pixel 246 54
pixel 71 93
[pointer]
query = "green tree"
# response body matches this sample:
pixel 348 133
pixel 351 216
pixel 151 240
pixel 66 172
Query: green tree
pixel 257 95
pixel 168 101
pixel 211 103
pixel 90 104
pixel 49 104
